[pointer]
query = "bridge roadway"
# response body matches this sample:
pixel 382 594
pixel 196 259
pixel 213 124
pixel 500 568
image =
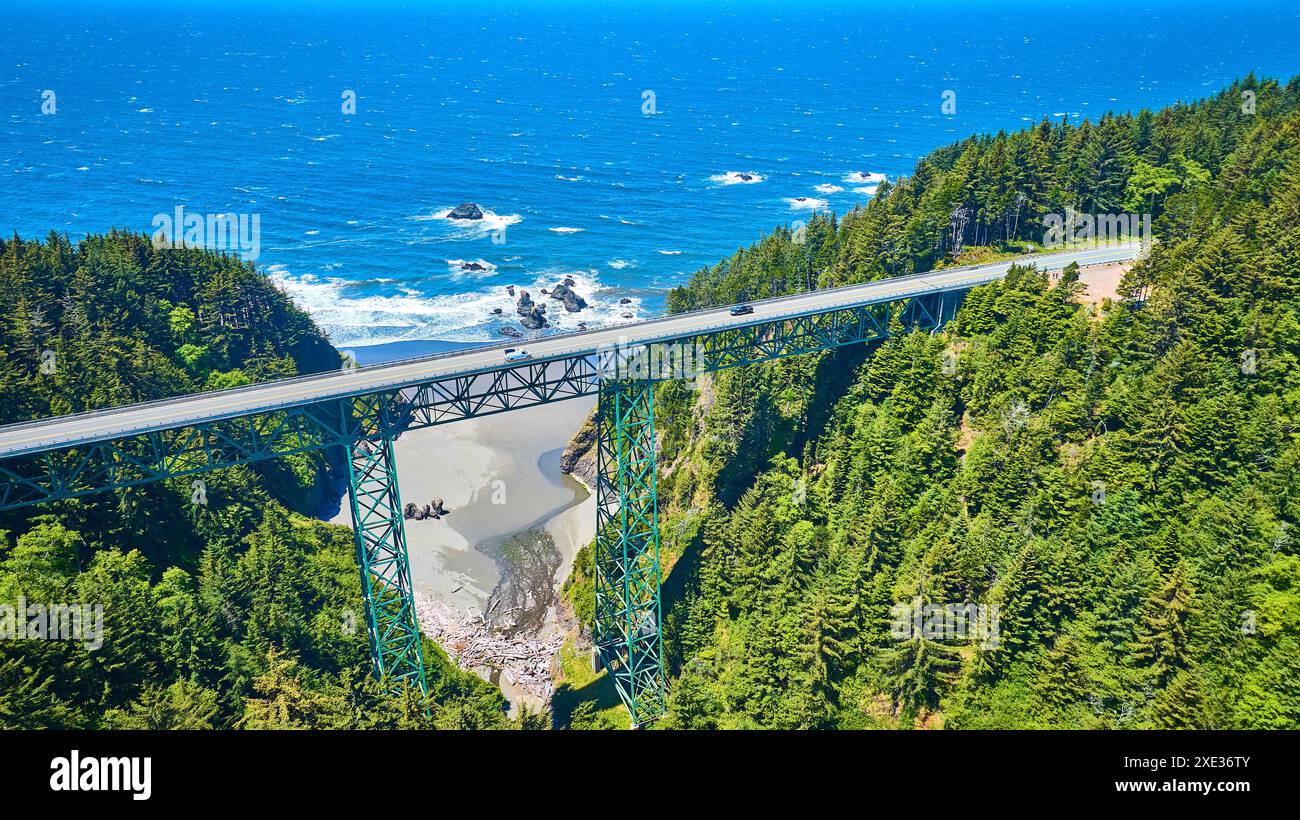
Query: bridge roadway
pixel 164 414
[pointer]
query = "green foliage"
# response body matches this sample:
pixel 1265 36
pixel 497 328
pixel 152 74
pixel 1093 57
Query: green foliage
pixel 241 613
pixel 1119 485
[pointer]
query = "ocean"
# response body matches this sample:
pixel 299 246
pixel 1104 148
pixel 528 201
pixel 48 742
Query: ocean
pixel 623 144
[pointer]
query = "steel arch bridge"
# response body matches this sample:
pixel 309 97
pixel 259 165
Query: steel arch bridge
pixel 361 412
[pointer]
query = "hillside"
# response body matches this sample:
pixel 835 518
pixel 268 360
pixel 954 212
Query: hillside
pixel 245 612
pixel 1119 485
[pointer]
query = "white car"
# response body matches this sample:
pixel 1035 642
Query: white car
pixel 517 354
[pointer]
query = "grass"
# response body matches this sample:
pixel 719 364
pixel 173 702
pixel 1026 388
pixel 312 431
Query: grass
pixel 585 699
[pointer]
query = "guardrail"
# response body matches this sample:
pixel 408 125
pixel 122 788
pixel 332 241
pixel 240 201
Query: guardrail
pixel 546 359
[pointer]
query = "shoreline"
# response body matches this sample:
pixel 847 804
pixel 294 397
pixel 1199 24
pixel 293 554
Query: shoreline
pixel 482 573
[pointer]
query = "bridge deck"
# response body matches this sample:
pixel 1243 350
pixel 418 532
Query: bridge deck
pixel 182 411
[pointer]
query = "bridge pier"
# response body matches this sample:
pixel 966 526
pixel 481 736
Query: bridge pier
pixel 380 537
pixel 627 622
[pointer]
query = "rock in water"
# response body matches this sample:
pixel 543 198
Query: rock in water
pixel 573 302
pixel 507 330
pixel 534 319
pixel 472 266
pixel 525 305
pixel 466 210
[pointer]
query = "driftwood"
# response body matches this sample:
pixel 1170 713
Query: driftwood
pixel 524 660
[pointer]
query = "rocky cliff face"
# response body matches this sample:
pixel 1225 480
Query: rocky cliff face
pixel 579 456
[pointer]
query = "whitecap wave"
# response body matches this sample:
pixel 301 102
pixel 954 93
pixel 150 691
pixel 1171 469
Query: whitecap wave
pixel 407 315
pixel 827 188
pixel 737 178
pixel 867 190
pixel 490 223
pixel 619 264
pixel 669 253
pixel 478 268
pixel 567 230
pixel 863 176
pixel 806 203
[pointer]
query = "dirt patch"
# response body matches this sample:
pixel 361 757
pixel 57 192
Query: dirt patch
pixel 1100 282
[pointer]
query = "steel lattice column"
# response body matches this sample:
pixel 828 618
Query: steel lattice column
pixel 627 548
pixel 381 549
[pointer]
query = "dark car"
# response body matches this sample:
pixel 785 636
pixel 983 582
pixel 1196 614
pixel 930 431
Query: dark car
pixel 741 310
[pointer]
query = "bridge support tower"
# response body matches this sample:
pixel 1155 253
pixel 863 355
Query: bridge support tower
pixel 628 616
pixel 381 547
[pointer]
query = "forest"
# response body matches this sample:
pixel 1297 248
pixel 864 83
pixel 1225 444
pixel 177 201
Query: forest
pixel 1120 485
pixel 245 612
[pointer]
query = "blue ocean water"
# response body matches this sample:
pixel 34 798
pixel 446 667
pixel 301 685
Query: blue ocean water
pixel 539 113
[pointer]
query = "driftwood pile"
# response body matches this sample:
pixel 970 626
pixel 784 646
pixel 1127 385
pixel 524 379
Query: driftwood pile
pixel 523 660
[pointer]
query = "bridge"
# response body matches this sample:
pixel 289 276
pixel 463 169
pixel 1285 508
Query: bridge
pixel 362 409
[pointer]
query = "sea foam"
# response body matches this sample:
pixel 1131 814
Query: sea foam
pixel 405 314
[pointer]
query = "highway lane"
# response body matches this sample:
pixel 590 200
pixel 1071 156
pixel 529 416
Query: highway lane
pixel 82 428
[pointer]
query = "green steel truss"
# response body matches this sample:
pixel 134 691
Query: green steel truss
pixel 184 451
pixel 627 628
pixel 381 549
pixel 483 394
pixel 73 471
pixel 627 632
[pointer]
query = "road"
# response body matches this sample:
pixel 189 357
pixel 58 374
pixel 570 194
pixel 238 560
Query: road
pixel 101 425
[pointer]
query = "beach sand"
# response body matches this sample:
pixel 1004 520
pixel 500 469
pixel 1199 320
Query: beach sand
pixel 497 476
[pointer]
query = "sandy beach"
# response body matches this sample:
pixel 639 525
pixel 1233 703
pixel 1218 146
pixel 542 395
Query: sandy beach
pixel 499 479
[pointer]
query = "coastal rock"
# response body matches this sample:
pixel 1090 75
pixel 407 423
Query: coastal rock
pixel 535 319
pixel 568 282
pixel 496 311
pixel 578 458
pixel 510 289
pixel 433 510
pixel 625 301
pixel 628 316
pixel 466 210
pixel 472 266
pixel 511 332
pixel 573 302
pixel 415 512
pixel 525 304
